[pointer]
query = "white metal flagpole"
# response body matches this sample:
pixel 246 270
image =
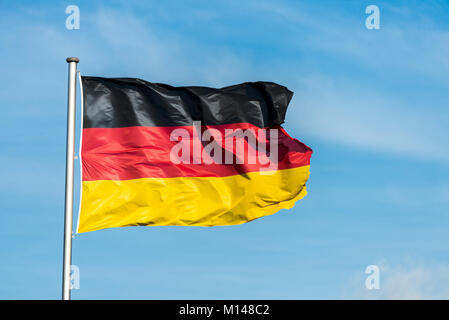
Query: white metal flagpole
pixel 70 155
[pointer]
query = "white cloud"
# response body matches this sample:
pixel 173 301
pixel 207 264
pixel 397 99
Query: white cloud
pixel 142 50
pixel 400 282
pixel 403 111
pixel 342 111
pixel 408 40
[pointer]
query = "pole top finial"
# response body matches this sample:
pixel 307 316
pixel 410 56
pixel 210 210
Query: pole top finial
pixel 72 59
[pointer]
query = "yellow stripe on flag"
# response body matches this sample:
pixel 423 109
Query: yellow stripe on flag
pixel 189 201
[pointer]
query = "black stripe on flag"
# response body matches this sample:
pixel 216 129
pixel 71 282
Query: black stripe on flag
pixel 127 102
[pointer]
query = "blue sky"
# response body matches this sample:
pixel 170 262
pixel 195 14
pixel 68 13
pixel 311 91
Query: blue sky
pixel 372 104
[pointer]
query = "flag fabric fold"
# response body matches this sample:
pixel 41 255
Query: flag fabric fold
pixel 155 155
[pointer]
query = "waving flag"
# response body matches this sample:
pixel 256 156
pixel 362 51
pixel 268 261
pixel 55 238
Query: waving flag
pixel 155 155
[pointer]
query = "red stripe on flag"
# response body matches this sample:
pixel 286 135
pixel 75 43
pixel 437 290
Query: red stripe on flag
pixel 144 152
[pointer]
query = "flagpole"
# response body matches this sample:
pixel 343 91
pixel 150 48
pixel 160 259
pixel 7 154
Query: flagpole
pixel 70 154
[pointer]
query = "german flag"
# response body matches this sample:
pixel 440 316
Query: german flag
pixel 157 155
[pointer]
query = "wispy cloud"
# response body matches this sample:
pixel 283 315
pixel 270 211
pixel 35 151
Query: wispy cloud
pixel 144 50
pixel 409 39
pixel 404 282
pixel 342 111
pixel 389 97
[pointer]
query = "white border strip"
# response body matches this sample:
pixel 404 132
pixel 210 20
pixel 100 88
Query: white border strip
pixel 79 152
